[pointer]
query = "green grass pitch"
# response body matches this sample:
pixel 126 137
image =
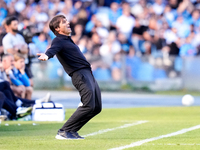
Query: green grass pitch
pixel 23 135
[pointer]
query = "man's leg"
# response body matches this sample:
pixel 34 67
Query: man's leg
pixel 90 97
pixel 8 105
pixel 5 88
pixel 1 100
pixel 97 110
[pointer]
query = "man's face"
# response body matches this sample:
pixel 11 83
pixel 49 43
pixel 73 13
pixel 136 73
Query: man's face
pixel 14 26
pixel 8 62
pixel 64 27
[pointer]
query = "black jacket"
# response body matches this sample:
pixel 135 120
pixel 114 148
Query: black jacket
pixel 68 53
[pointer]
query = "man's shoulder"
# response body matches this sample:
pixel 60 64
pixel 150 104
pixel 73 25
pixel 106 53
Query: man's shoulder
pixel 7 39
pixel 8 35
pixel 19 35
pixel 57 39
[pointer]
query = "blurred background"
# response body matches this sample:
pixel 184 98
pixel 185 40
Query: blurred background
pixel 131 44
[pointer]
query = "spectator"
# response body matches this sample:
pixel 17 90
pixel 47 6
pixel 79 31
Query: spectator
pixel 91 24
pixel 125 22
pixel 187 49
pixel 66 12
pixel 57 6
pixel 78 29
pixel 125 43
pixel 158 7
pixel 195 18
pixel 11 10
pixel 20 77
pixel 14 43
pixel 151 35
pixel 82 17
pixel 101 31
pixel 132 64
pixel 3 11
pixel 8 65
pixel 45 5
pixel 114 14
pixel 40 17
pixel 40 42
pixel 182 27
pixel 82 44
pixel 110 47
pixel 137 36
pixel 169 15
pixel 2 34
pixel 116 67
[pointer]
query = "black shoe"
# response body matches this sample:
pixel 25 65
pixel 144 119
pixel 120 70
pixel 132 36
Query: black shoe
pixel 76 135
pixel 63 135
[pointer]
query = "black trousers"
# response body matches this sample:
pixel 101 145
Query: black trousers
pixel 90 94
pixel 8 105
pixel 5 88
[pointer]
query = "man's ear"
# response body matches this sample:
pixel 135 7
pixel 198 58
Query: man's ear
pixel 57 29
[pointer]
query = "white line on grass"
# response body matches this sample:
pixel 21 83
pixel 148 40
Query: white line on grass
pixel 174 144
pixel 112 129
pixel 138 143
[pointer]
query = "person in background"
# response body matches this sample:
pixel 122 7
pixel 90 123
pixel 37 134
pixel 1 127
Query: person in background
pixel 14 43
pixel 20 76
pixel 114 14
pixel 16 106
pixel 17 85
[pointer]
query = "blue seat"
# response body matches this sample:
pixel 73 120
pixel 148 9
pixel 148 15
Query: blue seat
pixel 159 74
pixel 178 63
pixel 145 72
pixel 102 74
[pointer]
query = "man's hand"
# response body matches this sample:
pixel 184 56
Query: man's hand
pixel 8 69
pixel 42 57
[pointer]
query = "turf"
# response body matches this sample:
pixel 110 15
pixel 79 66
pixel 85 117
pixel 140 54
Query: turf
pixel 25 135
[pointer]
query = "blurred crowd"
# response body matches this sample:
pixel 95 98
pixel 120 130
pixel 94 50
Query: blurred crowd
pixel 113 32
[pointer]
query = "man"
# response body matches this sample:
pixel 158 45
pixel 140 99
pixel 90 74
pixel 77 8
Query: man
pixel 8 65
pixel 79 69
pixel 14 43
pixel 12 103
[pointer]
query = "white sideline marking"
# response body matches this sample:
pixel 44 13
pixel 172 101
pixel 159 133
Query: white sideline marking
pixel 138 143
pixel 112 129
pixel 175 144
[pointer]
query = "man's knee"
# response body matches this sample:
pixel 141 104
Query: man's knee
pixel 29 89
pixel 98 109
pixel 6 84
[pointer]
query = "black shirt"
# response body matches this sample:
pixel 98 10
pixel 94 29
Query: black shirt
pixel 139 30
pixel 68 53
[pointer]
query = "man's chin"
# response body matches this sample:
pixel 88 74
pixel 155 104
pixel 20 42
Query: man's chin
pixel 16 31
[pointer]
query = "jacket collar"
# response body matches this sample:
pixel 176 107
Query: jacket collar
pixel 63 36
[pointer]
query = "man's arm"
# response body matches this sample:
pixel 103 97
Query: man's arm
pixel 56 47
pixel 13 49
pixel 23 49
